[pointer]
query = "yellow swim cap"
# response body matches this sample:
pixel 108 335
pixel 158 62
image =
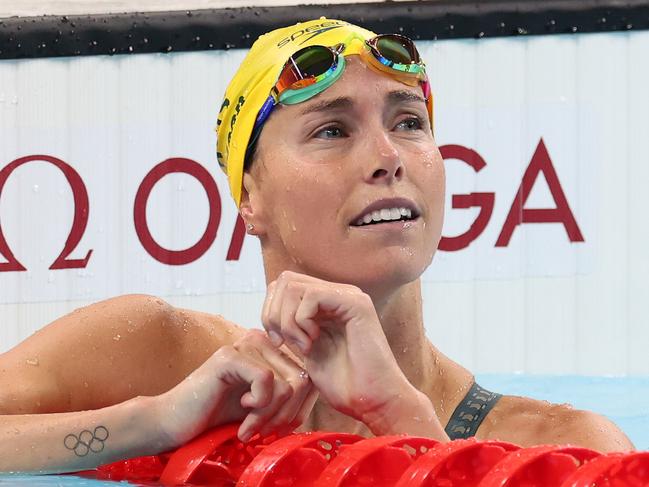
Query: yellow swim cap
pixel 251 85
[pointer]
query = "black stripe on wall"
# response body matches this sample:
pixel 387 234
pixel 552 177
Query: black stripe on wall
pixel 50 36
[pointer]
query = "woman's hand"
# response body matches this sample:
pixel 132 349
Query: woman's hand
pixel 347 355
pixel 251 381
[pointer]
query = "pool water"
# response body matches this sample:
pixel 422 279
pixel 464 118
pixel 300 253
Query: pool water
pixel 624 400
pixel 54 481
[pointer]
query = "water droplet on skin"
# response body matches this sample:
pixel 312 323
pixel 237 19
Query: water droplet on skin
pixel 117 337
pixel 32 361
pixel 85 384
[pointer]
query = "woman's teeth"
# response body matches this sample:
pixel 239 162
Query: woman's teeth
pixel 385 214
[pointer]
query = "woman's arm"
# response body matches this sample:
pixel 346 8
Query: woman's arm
pixel 132 376
pixel 107 353
pixel 251 382
pixel 68 442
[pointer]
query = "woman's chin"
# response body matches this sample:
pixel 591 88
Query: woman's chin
pixel 382 272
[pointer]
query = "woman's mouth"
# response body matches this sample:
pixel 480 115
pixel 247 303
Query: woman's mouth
pixel 385 215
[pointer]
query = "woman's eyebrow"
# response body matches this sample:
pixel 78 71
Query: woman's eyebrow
pixel 342 102
pixel 404 96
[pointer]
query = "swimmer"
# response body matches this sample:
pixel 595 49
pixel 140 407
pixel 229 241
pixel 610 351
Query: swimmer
pixel 328 146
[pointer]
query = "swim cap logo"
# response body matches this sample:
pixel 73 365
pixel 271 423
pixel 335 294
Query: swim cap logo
pixel 233 120
pixel 315 30
pixel 219 121
pixel 237 109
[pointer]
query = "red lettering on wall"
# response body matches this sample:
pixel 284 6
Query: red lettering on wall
pixel 484 201
pixel 79 223
pixel 193 253
pixel 540 163
pixel 236 242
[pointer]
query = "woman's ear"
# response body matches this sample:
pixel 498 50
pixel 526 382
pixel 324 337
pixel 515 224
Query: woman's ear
pixel 250 207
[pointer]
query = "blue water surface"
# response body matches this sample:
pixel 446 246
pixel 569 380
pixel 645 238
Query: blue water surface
pixel 624 400
pixel 55 481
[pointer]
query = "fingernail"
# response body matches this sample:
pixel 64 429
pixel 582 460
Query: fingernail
pixel 275 338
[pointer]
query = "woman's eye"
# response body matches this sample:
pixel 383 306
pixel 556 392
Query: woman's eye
pixel 410 124
pixel 332 132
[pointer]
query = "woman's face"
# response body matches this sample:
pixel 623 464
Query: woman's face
pixel 358 151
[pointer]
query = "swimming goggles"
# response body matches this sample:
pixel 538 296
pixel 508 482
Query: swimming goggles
pixel 313 69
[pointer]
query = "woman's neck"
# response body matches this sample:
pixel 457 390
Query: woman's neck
pixel 401 317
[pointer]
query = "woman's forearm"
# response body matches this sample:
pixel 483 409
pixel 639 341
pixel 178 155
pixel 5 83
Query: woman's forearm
pixel 68 442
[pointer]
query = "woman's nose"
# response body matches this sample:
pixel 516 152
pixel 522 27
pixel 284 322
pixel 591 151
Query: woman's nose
pixel 384 162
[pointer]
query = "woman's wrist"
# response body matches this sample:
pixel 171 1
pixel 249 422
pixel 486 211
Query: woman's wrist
pixel 149 416
pixel 409 413
pixel 164 422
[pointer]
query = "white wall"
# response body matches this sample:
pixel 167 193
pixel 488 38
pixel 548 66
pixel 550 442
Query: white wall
pixel 542 304
pixel 25 8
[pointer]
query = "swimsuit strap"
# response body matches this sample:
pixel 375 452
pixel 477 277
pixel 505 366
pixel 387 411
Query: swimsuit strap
pixel 470 413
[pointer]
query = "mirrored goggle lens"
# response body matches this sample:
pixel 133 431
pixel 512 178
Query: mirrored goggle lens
pixel 396 48
pixel 305 66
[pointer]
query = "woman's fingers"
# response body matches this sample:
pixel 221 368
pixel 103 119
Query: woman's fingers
pixel 242 370
pixel 303 395
pixel 291 389
pixel 277 315
pixel 259 417
pixel 292 333
pixel 283 299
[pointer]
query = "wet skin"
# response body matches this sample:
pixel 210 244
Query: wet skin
pixel 343 302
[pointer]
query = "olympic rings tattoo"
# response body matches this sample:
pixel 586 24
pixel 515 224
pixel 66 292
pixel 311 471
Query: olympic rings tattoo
pixel 86 441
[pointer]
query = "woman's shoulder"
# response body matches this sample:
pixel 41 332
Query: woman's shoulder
pixel 110 351
pixel 527 422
